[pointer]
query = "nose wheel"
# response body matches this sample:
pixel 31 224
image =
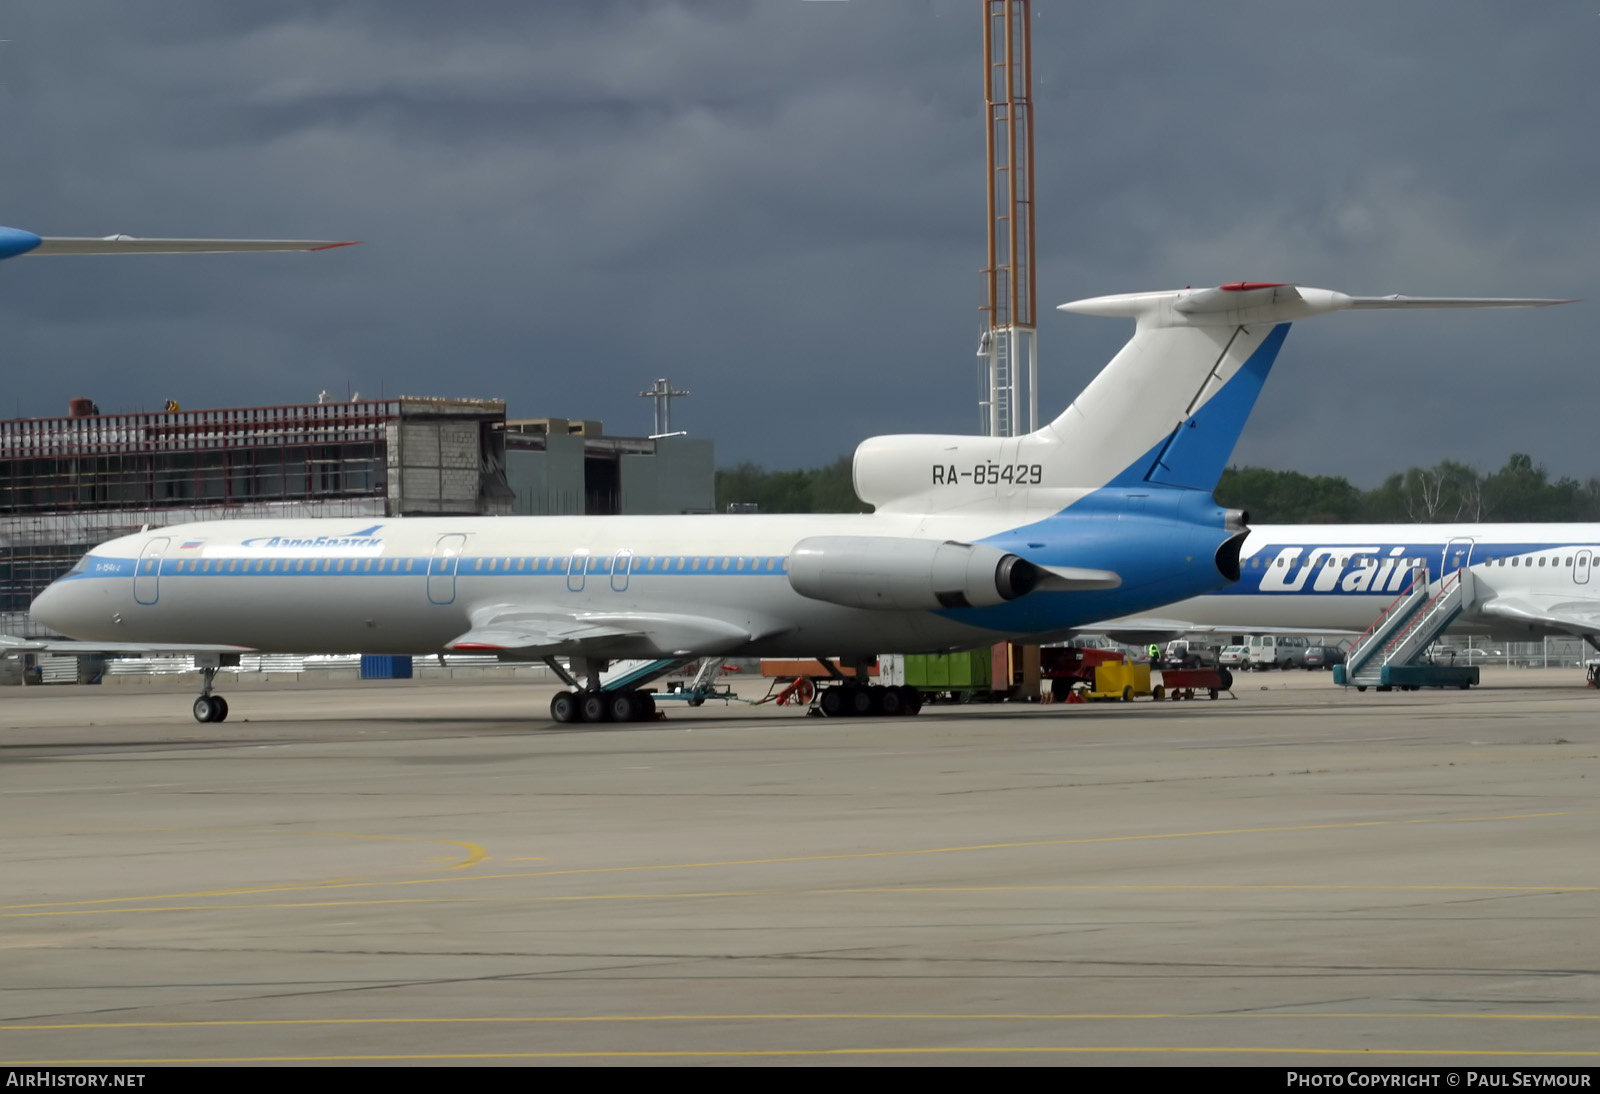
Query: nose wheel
pixel 209 708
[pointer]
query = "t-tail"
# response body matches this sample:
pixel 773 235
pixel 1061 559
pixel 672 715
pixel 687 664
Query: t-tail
pixel 1166 412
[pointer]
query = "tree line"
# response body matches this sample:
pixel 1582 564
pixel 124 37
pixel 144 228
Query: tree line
pixel 1521 490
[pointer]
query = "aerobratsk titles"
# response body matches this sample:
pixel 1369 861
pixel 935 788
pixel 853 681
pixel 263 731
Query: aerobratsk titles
pixel 989 474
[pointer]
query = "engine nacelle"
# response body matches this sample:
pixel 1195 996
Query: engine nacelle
pixel 899 574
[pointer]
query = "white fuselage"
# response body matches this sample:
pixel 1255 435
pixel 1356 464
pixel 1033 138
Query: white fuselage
pixel 413 585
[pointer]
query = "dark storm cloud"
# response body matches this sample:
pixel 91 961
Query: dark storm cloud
pixel 779 205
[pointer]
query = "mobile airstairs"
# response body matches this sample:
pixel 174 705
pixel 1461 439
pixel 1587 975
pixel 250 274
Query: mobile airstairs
pixel 1389 654
pixel 626 674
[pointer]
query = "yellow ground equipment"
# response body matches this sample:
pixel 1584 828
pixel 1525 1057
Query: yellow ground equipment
pixel 1119 680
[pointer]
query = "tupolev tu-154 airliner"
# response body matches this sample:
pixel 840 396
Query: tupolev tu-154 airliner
pixel 1107 511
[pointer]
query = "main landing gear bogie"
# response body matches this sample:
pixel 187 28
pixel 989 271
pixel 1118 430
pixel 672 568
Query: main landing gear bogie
pixel 569 707
pixel 850 700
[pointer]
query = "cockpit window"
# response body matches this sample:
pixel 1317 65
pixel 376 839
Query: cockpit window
pixel 79 566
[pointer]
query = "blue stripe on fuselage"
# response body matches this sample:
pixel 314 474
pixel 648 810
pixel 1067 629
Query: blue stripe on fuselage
pixel 418 566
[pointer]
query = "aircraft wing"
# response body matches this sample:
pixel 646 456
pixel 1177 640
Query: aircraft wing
pixel 131 245
pixel 1581 617
pixel 10 644
pixel 539 632
pixel 1141 627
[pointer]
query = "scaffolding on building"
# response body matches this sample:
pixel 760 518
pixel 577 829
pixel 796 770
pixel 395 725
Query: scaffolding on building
pixel 69 483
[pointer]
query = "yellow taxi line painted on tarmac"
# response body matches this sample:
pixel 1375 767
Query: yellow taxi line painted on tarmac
pixel 1207 887
pixel 839 857
pixel 475 852
pixel 557 1019
pixel 574 898
pixel 958 1050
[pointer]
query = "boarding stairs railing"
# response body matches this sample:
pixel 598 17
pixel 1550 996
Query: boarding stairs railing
pixel 1400 611
pixel 625 674
pixel 1404 641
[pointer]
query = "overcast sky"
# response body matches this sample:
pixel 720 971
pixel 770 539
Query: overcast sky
pixel 779 206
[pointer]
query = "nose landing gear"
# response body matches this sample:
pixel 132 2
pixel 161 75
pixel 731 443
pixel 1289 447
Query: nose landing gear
pixel 209 708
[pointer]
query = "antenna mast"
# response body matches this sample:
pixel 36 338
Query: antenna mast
pixel 1008 347
pixel 663 393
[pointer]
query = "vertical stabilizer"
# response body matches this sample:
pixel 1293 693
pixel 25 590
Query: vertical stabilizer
pixel 1169 407
pixel 1166 412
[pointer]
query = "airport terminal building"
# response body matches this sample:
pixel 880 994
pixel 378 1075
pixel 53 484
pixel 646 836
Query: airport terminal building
pixel 69 483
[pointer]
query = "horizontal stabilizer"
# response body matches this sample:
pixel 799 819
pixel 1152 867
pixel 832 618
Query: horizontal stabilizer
pixel 1253 302
pixel 131 245
pixel 1397 301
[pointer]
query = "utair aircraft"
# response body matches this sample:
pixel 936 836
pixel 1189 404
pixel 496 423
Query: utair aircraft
pixel 1528 580
pixel 1106 511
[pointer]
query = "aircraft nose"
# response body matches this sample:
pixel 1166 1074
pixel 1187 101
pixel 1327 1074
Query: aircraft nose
pixel 49 607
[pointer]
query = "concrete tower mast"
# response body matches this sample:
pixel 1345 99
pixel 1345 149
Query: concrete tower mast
pixel 1008 347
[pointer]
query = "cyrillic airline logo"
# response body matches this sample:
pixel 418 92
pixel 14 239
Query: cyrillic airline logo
pixel 364 543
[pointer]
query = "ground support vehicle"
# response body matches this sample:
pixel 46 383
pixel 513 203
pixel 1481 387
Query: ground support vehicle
pixel 829 689
pixel 697 689
pixel 1412 677
pixel 1119 680
pixel 1069 667
pixel 961 677
pixel 1184 683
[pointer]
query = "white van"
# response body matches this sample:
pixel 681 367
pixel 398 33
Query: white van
pixel 1268 651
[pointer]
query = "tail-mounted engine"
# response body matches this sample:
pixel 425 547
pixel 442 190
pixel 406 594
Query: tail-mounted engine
pixel 907 574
